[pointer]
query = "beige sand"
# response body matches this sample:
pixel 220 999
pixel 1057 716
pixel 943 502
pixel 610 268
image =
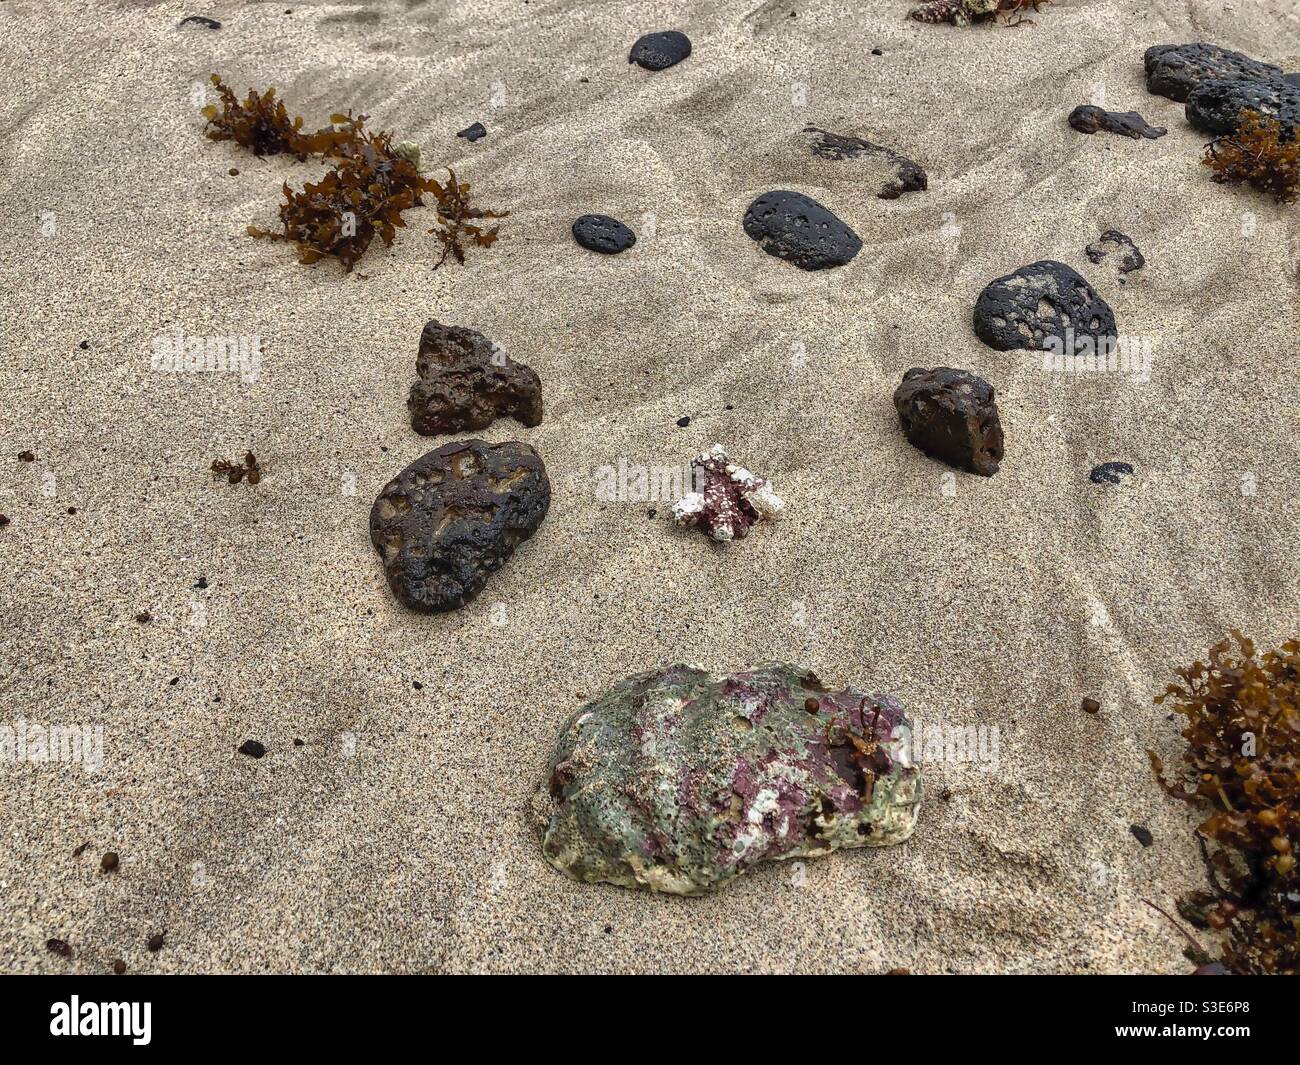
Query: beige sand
pixel 395 837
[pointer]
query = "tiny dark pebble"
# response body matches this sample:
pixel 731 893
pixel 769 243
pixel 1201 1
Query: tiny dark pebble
pixel 144 617
pixel 202 20
pixel 108 863
pixel 946 795
pixel 119 967
pixel 174 681
pixel 1091 706
pixel 1142 834
pixel 1110 472
pixel 659 51
pixel 26 456
pixel 811 705
pixel 156 941
pixel 417 685
pixel 84 345
pixel 4 520
pixel 475 132
pixel 877 51
pixel 601 233
pixel 682 423
pixel 651 512
pixel 609 929
pixel 59 947
pixel 72 510
pixel 81 850
pixel 297 742
pixel 234 171
pixel 201 583
pixel 252 748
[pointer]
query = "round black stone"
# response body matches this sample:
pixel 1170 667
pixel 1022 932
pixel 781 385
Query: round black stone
pixel 1042 306
pixel 1110 472
pixel 659 51
pixel 474 132
pixel 798 229
pixel 599 232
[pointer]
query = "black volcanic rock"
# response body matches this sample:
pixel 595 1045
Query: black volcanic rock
pixel 1089 119
pixel 467 382
pixel 659 51
pixel 200 20
pixel 1174 70
pixel 951 415
pixel 798 229
pixel 1216 106
pixel 907 176
pixel 472 133
pixel 1039 303
pixel 1113 242
pixel 1110 472
pixel 599 232
pixel 454 517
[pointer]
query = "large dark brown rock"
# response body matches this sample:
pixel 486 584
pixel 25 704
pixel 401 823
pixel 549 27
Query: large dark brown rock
pixel 951 415
pixel 1174 70
pixel 454 517
pixel 467 382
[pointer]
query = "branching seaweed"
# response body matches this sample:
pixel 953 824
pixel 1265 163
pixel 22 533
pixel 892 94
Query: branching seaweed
pixel 964 12
pixel 234 472
pixel 1243 761
pixel 365 193
pixel 1263 153
pixel 456 216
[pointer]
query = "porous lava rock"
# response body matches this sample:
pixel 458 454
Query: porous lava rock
pixel 951 415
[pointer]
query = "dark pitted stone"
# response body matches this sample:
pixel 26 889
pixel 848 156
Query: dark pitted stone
pixel 1043 306
pixel 1110 472
pixel 659 51
pixel 1089 119
pixel 454 517
pixel 599 232
pixel 679 781
pixel 200 20
pixel 1292 79
pixel 907 176
pixel 798 229
pixel 952 416
pixel 1174 70
pixel 467 382
pixel 1216 106
pixel 1113 242
pixel 474 132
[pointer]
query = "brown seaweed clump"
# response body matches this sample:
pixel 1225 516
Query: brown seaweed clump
pixel 457 218
pixel 1243 762
pixel 261 123
pixel 235 472
pixel 1262 153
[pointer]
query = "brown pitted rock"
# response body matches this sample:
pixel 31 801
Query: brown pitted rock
pixel 1087 118
pixel 951 415
pixel 467 382
pixel 454 517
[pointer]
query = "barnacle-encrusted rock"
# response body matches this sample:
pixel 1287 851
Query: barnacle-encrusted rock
pixel 900 173
pixel 1216 106
pixel 1043 305
pixel 798 229
pixel 678 781
pixel 454 516
pixel 1087 118
pixel 467 382
pixel 1174 70
pixel 729 498
pixel 601 233
pixel 951 415
pixel 1113 242
pixel 659 51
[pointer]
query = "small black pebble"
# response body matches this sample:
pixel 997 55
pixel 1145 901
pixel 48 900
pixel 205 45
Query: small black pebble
pixel 109 862
pixel 202 20
pixel 683 422
pixel 1110 472
pixel 202 582
pixel 609 928
pixel 119 967
pixel 946 795
pixel 3 521
pixel 1142 834
pixel 156 941
pixel 659 51
pixel 297 742
pixel 144 617
pixel 174 681
pixel 72 510
pixel 81 850
pixel 59 947
pixel 26 456
pixel 877 51
pixel 84 345
pixel 252 748
pixel 472 133
pixel 599 232
pixel 651 512
pixel 417 685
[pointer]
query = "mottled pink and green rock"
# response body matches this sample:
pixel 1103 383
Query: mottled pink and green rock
pixel 679 781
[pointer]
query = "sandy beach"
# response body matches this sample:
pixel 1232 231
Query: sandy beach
pixel 387 827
